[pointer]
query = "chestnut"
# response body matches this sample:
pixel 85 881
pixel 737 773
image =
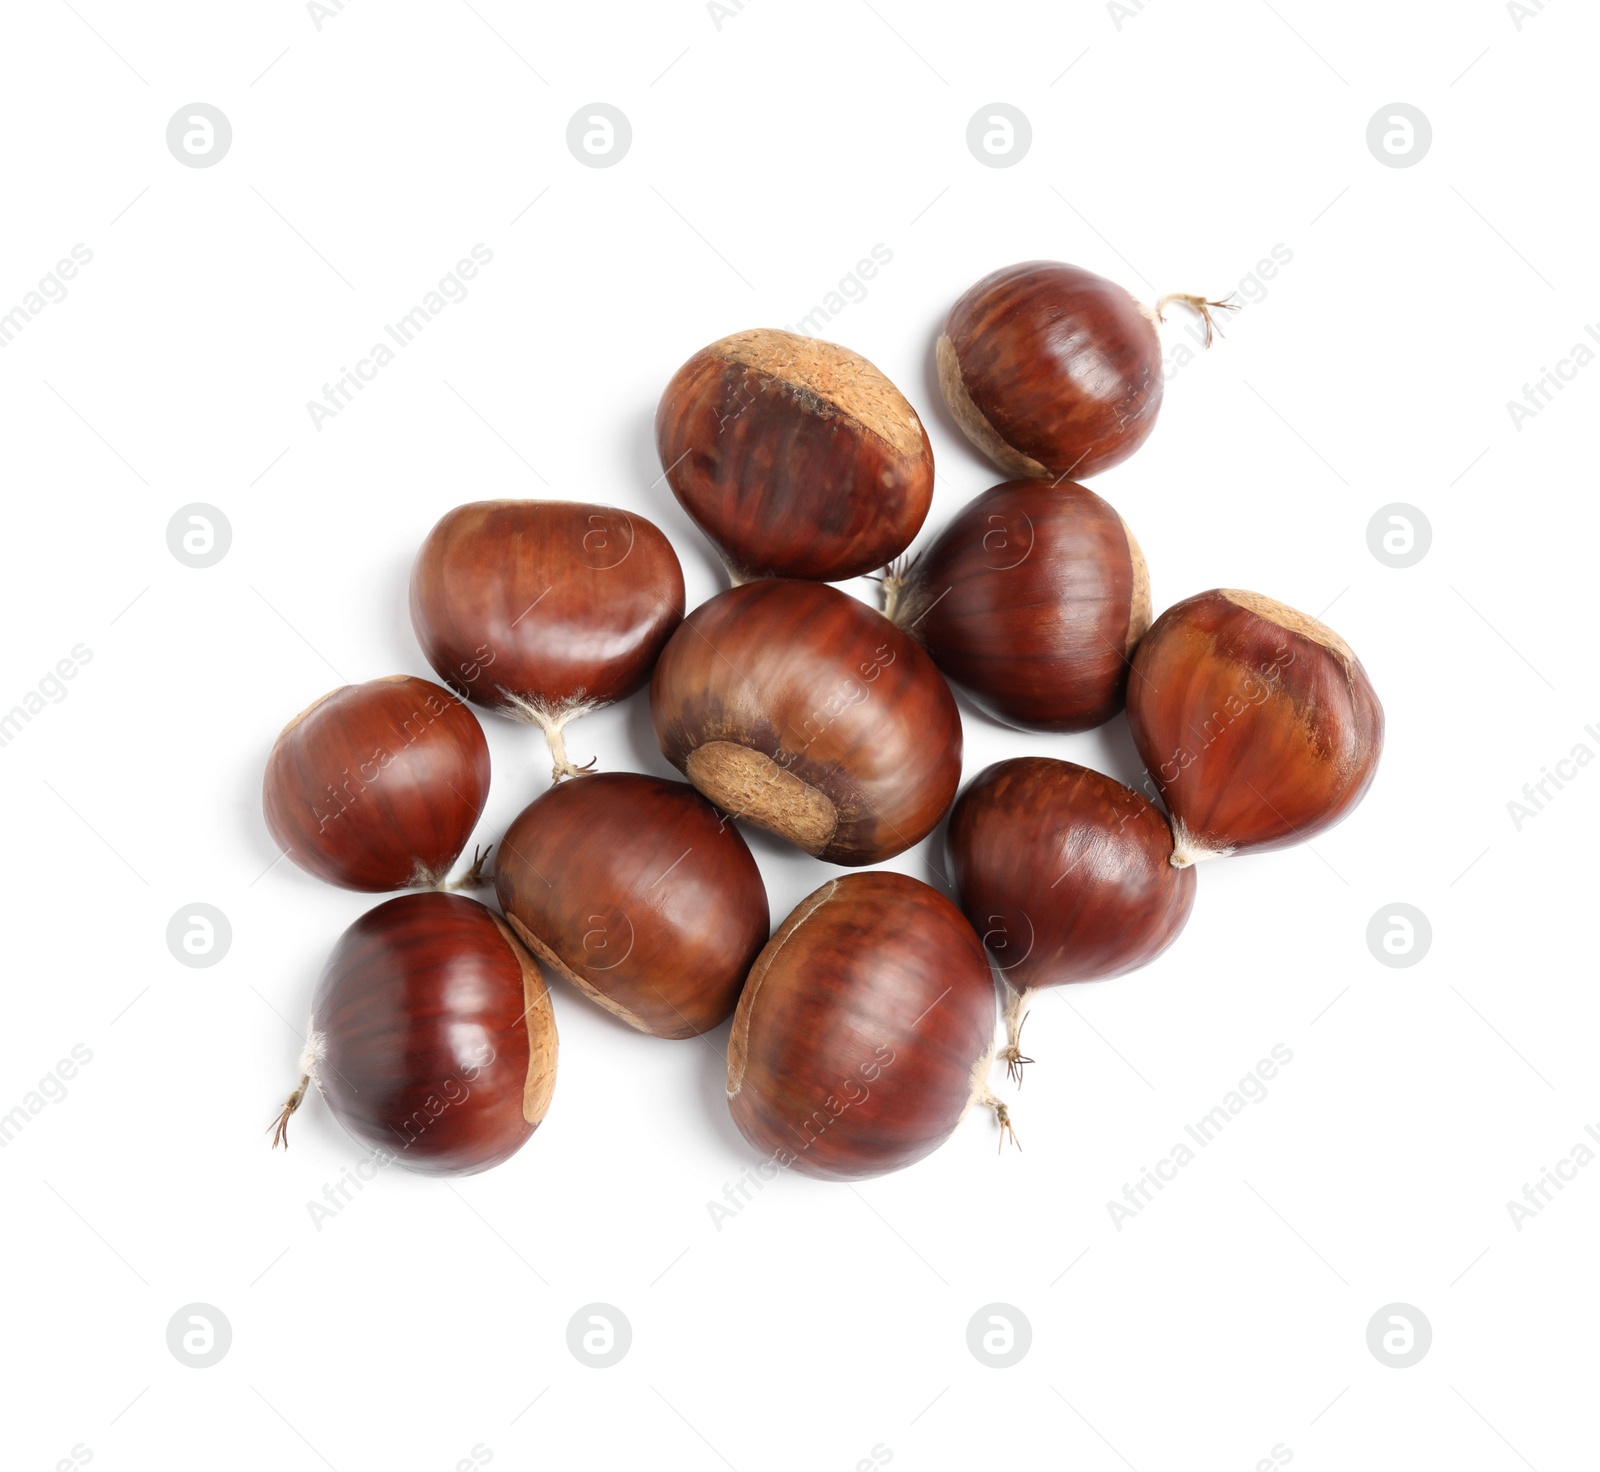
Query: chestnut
pixel 640 894
pixel 544 610
pixel 798 707
pixel 1053 371
pixel 431 1036
pixel 378 786
pixel 865 1031
pixel 1032 599
pixel 1256 722
pixel 1067 876
pixel 795 456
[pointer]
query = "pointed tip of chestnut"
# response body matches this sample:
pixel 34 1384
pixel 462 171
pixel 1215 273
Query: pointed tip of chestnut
pixel 1256 721
pixel 795 456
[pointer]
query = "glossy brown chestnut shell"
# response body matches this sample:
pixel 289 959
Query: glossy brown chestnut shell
pixel 799 708
pixel 865 1030
pixel 639 893
pixel 378 786
pixel 795 456
pixel 544 609
pixel 1051 370
pixel 432 1035
pixel 1065 873
pixel 1033 599
pixel 1257 723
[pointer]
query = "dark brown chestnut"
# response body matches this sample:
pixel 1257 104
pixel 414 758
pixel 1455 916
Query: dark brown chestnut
pixel 865 1031
pixel 1067 876
pixel 798 707
pixel 1257 723
pixel 795 456
pixel 1053 371
pixel 543 610
pixel 431 1036
pixel 640 894
pixel 1032 599
pixel 378 786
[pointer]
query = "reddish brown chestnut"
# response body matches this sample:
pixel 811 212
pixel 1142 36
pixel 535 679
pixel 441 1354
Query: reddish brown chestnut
pixel 544 610
pixel 798 707
pixel 637 892
pixel 1067 876
pixel 795 456
pixel 378 786
pixel 1053 371
pixel 1033 599
pixel 431 1036
pixel 865 1031
pixel 1257 723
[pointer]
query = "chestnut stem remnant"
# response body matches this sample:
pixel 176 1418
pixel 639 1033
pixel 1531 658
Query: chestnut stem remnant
pixel 280 1126
pixel 1016 1014
pixel 896 578
pixel 550 720
pixel 310 1057
pixel 1186 852
pixel 990 1100
pixel 1199 305
pixel 474 878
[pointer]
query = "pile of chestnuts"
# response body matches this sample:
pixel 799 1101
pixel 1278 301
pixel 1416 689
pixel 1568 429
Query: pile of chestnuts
pixel 864 1027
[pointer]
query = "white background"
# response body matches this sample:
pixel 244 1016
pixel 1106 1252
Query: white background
pixel 769 154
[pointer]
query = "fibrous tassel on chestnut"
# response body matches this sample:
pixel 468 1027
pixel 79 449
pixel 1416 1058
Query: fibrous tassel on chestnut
pixel 544 610
pixel 378 786
pixel 1258 723
pixel 799 708
pixel 639 894
pixel 865 1031
pixel 1032 599
pixel 1067 876
pixel 795 456
pixel 1053 371
pixel 431 1036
